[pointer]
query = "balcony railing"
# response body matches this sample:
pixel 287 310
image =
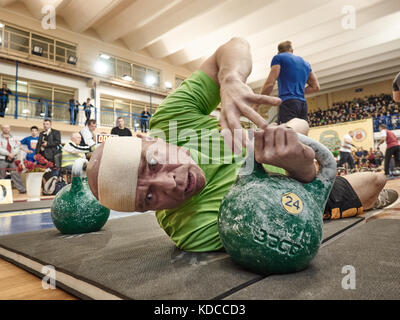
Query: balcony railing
pixel 35 108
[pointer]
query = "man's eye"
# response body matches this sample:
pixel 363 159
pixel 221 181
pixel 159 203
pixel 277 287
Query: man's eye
pixel 149 197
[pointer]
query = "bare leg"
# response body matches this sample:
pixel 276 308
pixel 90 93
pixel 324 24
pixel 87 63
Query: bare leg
pixel 367 185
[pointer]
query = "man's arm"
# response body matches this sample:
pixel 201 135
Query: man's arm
pixel 381 141
pixel 313 84
pixel 229 67
pixel 270 82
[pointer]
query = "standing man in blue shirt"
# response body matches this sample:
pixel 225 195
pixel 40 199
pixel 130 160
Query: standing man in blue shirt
pixel 292 73
pixel 29 144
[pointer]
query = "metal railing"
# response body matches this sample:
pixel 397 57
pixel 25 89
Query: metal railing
pixel 16 39
pixel 38 108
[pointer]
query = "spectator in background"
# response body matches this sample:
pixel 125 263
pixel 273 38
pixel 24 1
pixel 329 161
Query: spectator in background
pixel 88 134
pixel 38 108
pixel 73 151
pixel 371 157
pixel 73 110
pixel 49 141
pixel 144 120
pixel 295 79
pixel 87 107
pixel 345 150
pixel 120 130
pixel 29 144
pixel 396 88
pixel 9 149
pixel 378 157
pixel 4 99
pixel 392 147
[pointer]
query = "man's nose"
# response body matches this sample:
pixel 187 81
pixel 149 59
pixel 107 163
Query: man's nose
pixel 164 181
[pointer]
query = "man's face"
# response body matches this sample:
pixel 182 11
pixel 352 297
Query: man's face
pixel 6 129
pixel 34 132
pixel 351 134
pixel 121 123
pixel 46 125
pixel 92 127
pixel 168 176
pixel 76 138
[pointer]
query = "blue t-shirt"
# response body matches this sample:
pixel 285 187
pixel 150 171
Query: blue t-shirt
pixel 31 143
pixel 293 76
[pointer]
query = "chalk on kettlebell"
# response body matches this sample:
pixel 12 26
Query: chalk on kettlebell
pixel 273 223
pixel 75 210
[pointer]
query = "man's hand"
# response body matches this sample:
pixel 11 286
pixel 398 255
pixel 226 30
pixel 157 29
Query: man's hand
pixel 11 156
pixel 280 146
pixel 237 99
pixel 44 144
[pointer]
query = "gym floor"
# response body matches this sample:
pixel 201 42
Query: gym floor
pixel 18 284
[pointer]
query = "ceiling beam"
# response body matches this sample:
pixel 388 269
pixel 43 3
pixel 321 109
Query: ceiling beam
pixel 4 3
pixel 170 20
pixel 81 15
pixel 135 16
pixel 35 7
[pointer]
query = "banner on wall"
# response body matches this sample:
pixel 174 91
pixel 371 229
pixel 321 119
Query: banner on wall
pixel 331 136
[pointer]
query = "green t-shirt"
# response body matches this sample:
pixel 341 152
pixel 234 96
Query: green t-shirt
pixel 193 225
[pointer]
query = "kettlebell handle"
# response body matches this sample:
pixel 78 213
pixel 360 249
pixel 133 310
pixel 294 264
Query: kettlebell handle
pixel 79 168
pixel 326 161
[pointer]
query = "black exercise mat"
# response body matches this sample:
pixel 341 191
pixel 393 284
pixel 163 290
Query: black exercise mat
pixel 133 258
pixel 373 249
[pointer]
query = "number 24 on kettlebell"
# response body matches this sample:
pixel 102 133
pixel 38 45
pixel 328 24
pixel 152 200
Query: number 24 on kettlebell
pixel 292 203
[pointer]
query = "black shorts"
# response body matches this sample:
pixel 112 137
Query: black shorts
pixel 292 108
pixel 343 202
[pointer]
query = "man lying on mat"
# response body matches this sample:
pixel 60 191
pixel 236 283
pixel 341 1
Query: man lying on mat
pixel 185 175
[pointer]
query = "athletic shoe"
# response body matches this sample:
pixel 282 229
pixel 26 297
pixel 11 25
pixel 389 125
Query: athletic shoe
pixel 386 198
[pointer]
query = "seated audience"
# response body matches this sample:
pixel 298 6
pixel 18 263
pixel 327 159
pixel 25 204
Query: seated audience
pixel 49 142
pixel 73 150
pixel 120 130
pixel 88 134
pixel 378 107
pixel 9 150
pixel 29 144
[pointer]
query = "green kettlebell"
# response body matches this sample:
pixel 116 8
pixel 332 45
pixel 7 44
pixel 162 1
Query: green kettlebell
pixel 75 210
pixel 271 223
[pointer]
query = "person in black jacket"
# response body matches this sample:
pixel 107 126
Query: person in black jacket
pixel 4 99
pixel 49 142
pixel 121 130
pixel 73 110
pixel 87 107
pixel 144 120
